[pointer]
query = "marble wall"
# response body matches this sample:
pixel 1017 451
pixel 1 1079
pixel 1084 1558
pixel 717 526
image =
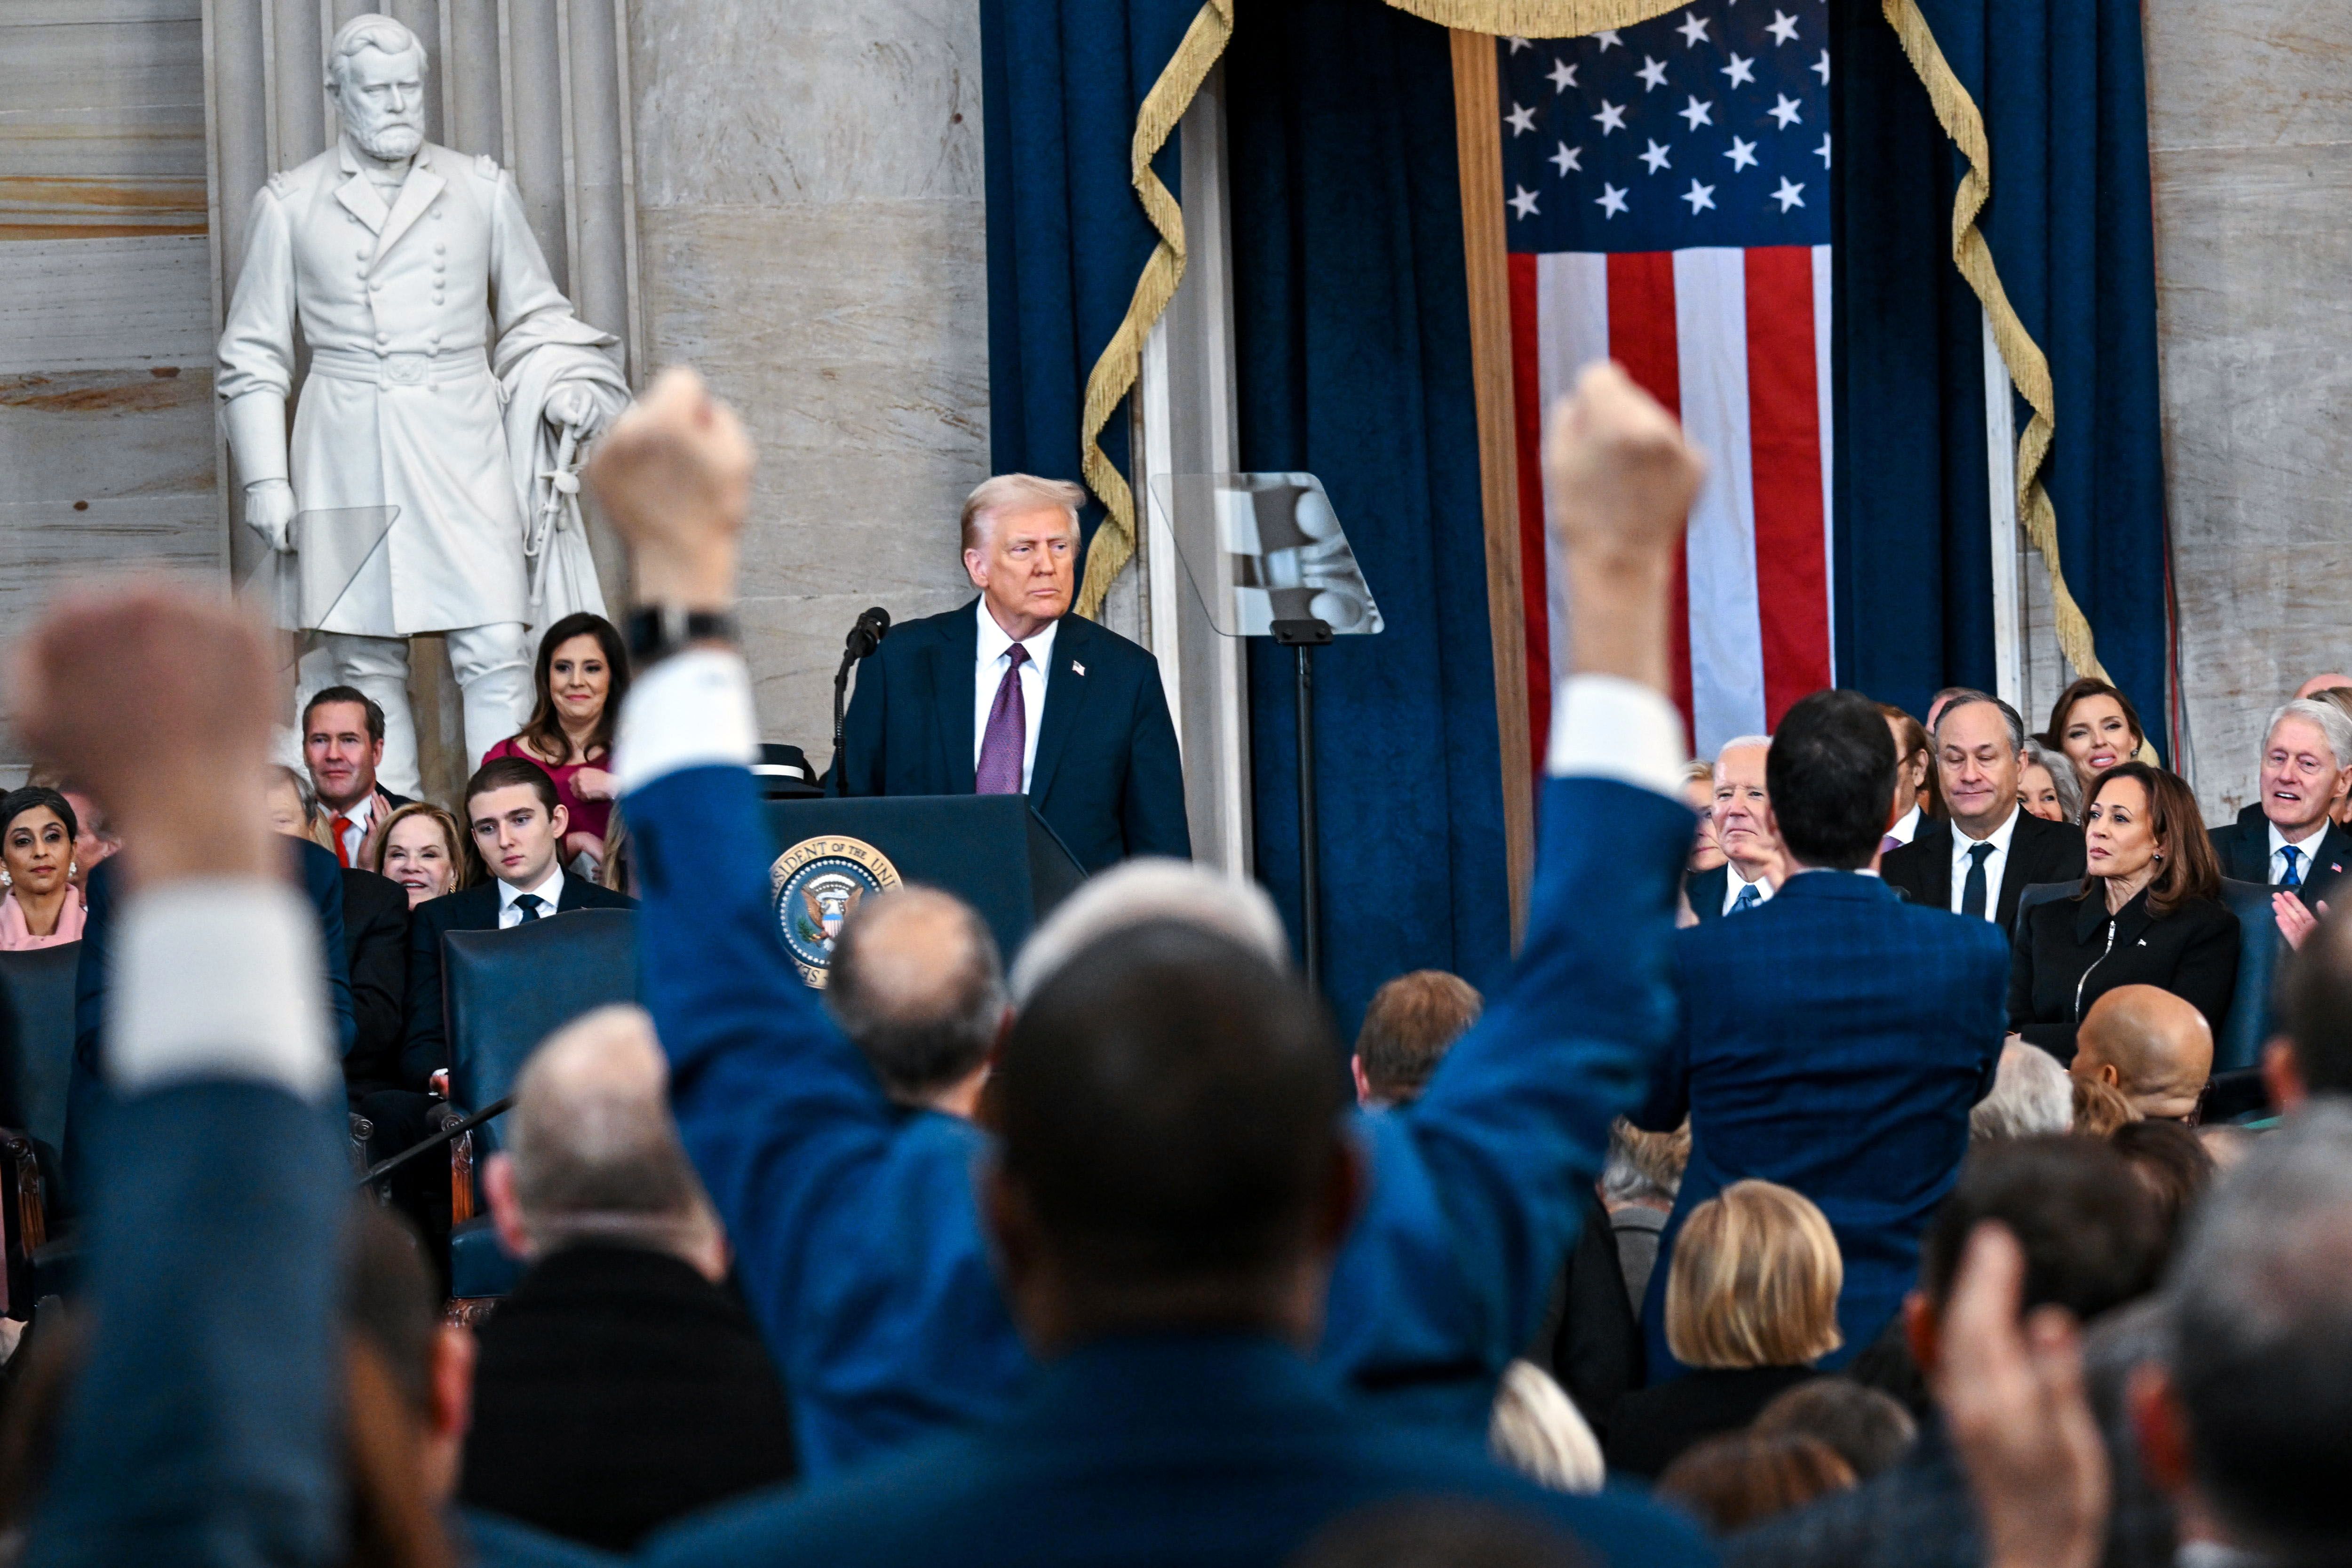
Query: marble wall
pixel 2251 120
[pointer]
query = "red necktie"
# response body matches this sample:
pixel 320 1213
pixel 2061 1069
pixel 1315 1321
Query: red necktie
pixel 342 826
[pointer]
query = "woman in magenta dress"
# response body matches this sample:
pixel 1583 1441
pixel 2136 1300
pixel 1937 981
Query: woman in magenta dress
pixel 582 674
pixel 40 906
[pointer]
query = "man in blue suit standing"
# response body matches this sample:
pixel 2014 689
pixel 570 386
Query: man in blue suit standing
pixel 1833 1039
pixel 1014 695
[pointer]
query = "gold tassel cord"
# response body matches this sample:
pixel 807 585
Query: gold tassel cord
pixel 2029 368
pixel 1536 18
pixel 1115 372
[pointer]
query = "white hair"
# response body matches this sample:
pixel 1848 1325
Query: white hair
pixel 2030 1094
pixel 991 498
pixel 2333 725
pixel 1740 742
pixel 369 31
pixel 1537 1430
pixel 1138 892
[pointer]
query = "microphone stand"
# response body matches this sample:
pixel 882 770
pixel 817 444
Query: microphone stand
pixel 864 639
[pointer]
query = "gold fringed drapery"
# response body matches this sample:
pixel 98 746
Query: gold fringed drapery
pixel 1115 372
pixel 1536 18
pixel 2029 367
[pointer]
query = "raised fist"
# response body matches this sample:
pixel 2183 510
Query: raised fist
pixel 1619 474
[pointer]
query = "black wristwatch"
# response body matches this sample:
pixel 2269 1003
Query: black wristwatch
pixel 657 631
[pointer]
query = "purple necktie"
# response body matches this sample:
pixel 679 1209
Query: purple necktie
pixel 999 771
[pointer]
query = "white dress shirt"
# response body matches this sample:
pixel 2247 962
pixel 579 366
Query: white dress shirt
pixel 1996 864
pixel 1907 826
pixel 988 674
pixel 2305 853
pixel 1733 882
pixel 362 817
pixel 550 893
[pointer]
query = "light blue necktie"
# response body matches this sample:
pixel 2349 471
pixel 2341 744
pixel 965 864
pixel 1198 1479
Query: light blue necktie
pixel 1748 898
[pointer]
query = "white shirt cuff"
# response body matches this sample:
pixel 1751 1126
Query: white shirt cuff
pixel 693 710
pixel 219 978
pixel 1604 726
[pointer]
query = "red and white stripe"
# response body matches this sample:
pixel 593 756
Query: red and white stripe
pixel 1737 343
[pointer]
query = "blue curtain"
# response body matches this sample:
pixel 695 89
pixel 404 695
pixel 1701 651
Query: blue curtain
pixel 1061 81
pixel 2060 85
pixel 1352 342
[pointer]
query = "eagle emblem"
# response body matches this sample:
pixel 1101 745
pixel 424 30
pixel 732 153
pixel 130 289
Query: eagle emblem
pixel 817 885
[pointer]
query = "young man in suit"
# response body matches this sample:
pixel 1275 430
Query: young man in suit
pixel 518 829
pixel 2286 838
pixel 1993 849
pixel 1751 868
pixel 1013 695
pixel 342 744
pixel 1834 1040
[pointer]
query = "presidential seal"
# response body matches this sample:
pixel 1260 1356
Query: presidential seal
pixel 816 883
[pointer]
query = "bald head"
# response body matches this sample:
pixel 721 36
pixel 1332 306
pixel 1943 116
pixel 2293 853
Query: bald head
pixel 2151 1047
pixel 2319 683
pixel 915 981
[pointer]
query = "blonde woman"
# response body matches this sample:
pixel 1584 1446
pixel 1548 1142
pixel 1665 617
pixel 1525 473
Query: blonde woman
pixel 421 849
pixel 1751 1304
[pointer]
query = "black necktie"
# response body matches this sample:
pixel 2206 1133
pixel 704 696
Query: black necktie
pixel 1972 892
pixel 529 904
pixel 2294 878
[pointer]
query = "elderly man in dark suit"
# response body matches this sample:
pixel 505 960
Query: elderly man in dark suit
pixel 1834 1039
pixel 2286 838
pixel 1013 695
pixel 1992 849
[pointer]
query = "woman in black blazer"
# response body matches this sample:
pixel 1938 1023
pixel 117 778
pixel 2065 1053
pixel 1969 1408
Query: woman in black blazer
pixel 2149 913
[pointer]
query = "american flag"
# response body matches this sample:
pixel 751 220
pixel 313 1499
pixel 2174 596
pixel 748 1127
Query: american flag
pixel 1668 202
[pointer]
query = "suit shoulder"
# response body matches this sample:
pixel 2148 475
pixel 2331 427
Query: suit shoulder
pixel 304 177
pixel 1108 646
pixel 596 895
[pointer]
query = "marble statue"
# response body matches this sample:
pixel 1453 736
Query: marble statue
pixel 449 384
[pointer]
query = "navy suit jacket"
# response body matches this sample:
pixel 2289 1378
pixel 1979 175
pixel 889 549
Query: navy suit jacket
pixel 1189 1451
pixel 1106 777
pixel 855 1224
pixel 468 908
pixel 2243 847
pixel 1834 1041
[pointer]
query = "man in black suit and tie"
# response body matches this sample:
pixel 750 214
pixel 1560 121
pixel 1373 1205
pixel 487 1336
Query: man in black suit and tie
pixel 2287 838
pixel 1013 695
pixel 1992 849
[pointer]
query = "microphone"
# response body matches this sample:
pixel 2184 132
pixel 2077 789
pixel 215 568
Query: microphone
pixel 863 639
pixel 867 634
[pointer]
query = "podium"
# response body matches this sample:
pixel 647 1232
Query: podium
pixel 992 851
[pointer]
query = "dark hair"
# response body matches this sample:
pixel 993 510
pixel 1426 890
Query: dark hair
pixel 1170 1108
pixel 1868 1429
pixel 1738 1478
pixel 1831 776
pixel 544 731
pixel 2171 1163
pixel 931 1018
pixel 20 801
pixel 2088 1227
pixel 1969 697
pixel 1915 742
pixel 2190 868
pixel 345 694
pixel 2092 685
pixel 506 773
pixel 2315 1015
pixel 1411 1023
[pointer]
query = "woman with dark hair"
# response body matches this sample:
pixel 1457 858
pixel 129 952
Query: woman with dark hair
pixel 43 907
pixel 2149 913
pixel 582 676
pixel 2096 726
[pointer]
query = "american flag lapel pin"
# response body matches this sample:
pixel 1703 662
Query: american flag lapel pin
pixel 1077 668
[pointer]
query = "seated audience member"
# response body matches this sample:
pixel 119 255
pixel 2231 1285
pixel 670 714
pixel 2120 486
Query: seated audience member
pixel 2047 784
pixel 518 827
pixel 1992 849
pixel 1699 788
pixel 2149 913
pixel 2312 1051
pixel 1937 703
pixel 2090 1243
pixel 621 1386
pixel 2030 1094
pixel 1537 1431
pixel 2288 836
pixel 1412 1022
pixel 1735 1479
pixel 916 984
pixel 882 1312
pixel 581 677
pixel 95 839
pixel 1869 1430
pixel 2149 1046
pixel 1638 1186
pixel 1835 1040
pixel 342 743
pixel 2170 1163
pixel 2319 683
pixel 1914 765
pixel 422 849
pixel 375 953
pixel 43 905
pixel 1171 1192
pixel 1751 870
pixel 2100 1109
pixel 294 809
pixel 2246 1418
pixel 2098 728
pixel 1751 1304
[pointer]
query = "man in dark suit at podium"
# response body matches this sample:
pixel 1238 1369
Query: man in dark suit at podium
pixel 1013 695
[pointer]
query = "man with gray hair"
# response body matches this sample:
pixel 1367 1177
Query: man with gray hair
pixel 1013 695
pixel 916 985
pixel 2247 1421
pixel 1992 849
pixel 1751 868
pixel 2030 1094
pixel 2286 838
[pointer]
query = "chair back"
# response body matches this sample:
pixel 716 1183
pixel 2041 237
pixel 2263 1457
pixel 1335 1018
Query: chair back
pixel 2238 1039
pixel 2034 893
pixel 508 990
pixel 39 983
